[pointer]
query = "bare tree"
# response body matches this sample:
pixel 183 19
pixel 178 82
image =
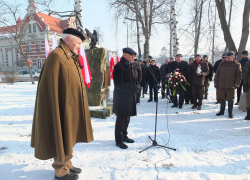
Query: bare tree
pixel 220 4
pixel 11 12
pixel 46 4
pixel 146 12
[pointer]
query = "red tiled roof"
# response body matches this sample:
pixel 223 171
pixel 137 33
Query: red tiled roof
pixel 56 25
pixel 8 29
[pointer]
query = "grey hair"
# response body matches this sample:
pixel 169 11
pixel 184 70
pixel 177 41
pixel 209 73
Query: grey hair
pixel 70 36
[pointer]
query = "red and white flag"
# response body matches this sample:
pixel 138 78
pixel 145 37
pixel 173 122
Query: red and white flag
pixel 118 57
pixel 47 50
pixel 112 64
pixel 54 41
pixel 86 73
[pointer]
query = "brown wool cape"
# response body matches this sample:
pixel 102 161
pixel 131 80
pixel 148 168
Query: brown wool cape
pixel 61 117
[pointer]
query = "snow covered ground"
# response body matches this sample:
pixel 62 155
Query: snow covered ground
pixel 208 147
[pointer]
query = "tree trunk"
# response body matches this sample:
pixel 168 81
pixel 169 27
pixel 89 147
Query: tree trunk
pixel 229 19
pixel 196 45
pixel 227 35
pixel 174 28
pixel 78 16
pixel 213 54
pixel 245 29
pixel 138 31
pixel 146 31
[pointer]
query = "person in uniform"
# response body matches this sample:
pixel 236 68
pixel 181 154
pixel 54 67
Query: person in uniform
pixel 215 67
pixel 227 78
pixel 164 72
pixel 61 117
pixel 137 71
pixel 209 77
pixel 243 62
pixel 124 97
pixel 153 77
pixel 198 70
pixel 246 89
pixel 188 93
pixel 182 67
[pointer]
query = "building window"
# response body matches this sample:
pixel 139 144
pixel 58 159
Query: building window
pixel 34 28
pixel 30 30
pixel 38 45
pixel 39 63
pixel 29 46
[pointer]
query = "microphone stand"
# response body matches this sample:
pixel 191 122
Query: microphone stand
pixel 154 142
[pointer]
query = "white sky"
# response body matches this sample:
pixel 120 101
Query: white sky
pixel 97 13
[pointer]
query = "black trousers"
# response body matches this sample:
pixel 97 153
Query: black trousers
pixel 121 127
pixel 163 92
pixel 181 96
pixel 197 93
pixel 151 88
pixel 188 94
pixel 239 89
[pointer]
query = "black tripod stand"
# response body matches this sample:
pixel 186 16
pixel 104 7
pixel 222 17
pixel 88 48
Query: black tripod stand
pixel 154 142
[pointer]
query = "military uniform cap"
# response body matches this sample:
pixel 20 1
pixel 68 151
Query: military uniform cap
pixel 74 32
pixel 129 51
pixel 230 54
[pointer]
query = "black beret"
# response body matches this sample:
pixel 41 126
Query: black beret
pixel 150 57
pixel 245 52
pixel 178 55
pixel 74 32
pixel 230 54
pixel 129 51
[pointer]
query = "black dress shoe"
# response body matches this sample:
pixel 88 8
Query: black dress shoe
pixel 75 170
pixel 173 106
pixel 69 176
pixel 149 100
pixel 128 140
pixel 180 107
pixel 122 145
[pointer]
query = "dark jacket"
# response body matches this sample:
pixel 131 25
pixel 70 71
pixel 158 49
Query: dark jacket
pixel 144 72
pixel 164 71
pixel 153 71
pixel 61 117
pixel 243 63
pixel 182 66
pixel 228 75
pixel 211 73
pixel 246 75
pixel 216 65
pixel 124 102
pixel 196 79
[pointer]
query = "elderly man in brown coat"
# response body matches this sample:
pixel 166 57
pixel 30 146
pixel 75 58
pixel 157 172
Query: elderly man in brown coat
pixel 61 117
pixel 227 78
pixel 197 72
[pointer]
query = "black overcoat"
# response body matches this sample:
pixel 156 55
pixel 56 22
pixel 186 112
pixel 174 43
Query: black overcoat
pixel 153 73
pixel 124 102
pixel 182 66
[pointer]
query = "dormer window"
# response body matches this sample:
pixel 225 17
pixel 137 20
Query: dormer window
pixel 30 29
pixel 34 28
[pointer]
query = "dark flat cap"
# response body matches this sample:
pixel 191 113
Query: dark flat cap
pixel 178 55
pixel 198 55
pixel 171 58
pixel 128 50
pixel 245 52
pixel 230 54
pixel 150 57
pixel 224 54
pixel 74 32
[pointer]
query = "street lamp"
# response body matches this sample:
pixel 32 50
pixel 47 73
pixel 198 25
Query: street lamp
pixel 12 58
pixel 127 31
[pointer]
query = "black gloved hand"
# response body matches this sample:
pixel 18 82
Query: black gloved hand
pixel 245 87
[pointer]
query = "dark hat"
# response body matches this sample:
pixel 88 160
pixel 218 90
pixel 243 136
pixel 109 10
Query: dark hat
pixel 171 58
pixel 245 52
pixel 224 54
pixel 150 57
pixel 198 55
pixel 230 54
pixel 205 55
pixel 74 32
pixel 152 60
pixel 178 55
pixel 128 50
